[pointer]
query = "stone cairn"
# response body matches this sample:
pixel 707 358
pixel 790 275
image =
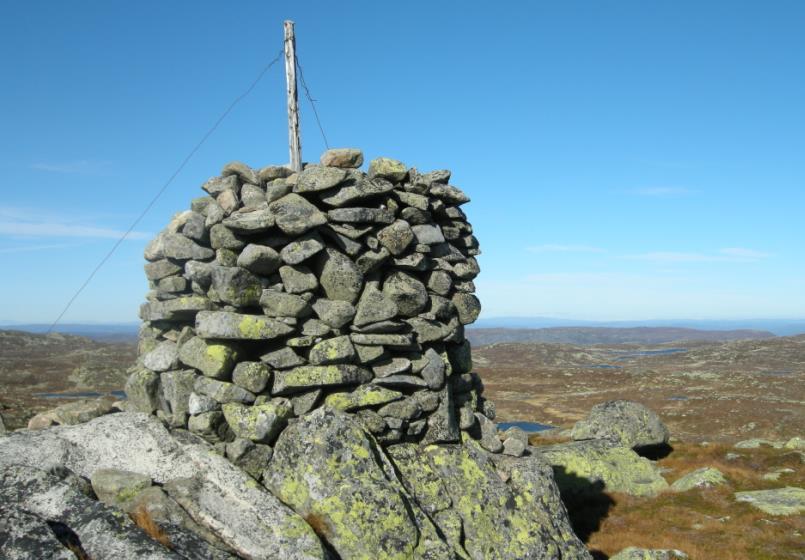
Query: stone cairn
pixel 281 292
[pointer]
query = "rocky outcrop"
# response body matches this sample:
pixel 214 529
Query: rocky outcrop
pixel 329 486
pixel 215 494
pixel 625 422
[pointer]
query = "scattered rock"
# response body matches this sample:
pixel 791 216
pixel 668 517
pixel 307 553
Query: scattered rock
pixel 628 423
pixel 706 477
pixel 592 466
pixel 779 501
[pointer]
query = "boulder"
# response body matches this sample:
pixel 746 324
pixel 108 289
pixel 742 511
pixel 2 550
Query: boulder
pixel 328 470
pixel 706 477
pixel 71 413
pixel 592 466
pixel 628 423
pixel 387 168
pixel 462 489
pixel 347 158
pixel 46 502
pixel 216 494
pixel 778 501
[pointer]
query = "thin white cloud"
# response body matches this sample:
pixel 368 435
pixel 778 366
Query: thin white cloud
pixel 32 248
pixel 21 222
pixel 551 248
pixel 742 252
pixel 662 192
pixel 76 167
pixel 733 254
pixel 55 229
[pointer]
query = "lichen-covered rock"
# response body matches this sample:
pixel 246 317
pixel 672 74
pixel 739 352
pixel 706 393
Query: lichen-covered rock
pixel 294 215
pixel 592 466
pixel 44 501
pixel 332 351
pixel 460 487
pixel 118 488
pixel 212 359
pixel 388 168
pixel 706 477
pixel 778 501
pixel 239 326
pixel 362 397
pixel 345 488
pixel 307 377
pixel 259 423
pixel 259 259
pixel 23 536
pixel 628 423
pixel 340 277
pixel 216 494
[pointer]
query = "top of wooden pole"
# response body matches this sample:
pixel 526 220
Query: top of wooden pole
pixel 294 144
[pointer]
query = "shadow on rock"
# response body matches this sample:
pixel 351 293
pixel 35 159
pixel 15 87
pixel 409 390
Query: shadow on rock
pixel 655 452
pixel 586 502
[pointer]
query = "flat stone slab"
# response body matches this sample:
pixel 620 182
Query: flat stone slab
pixel 780 501
pixel 238 326
pixel 307 377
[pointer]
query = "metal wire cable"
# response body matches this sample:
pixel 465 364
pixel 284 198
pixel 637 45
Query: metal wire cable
pixel 312 102
pixel 161 191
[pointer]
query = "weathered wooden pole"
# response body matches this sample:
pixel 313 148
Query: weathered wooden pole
pixel 294 144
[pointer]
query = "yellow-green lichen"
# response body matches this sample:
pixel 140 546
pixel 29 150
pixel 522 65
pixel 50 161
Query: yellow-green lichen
pixel 252 327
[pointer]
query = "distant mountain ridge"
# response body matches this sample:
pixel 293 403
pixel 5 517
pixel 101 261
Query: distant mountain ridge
pixel 779 327
pixel 106 332
pixel 609 335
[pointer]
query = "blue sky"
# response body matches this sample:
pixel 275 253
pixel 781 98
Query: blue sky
pixel 626 160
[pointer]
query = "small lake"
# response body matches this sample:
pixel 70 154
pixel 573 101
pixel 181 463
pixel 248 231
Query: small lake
pixel 662 352
pixel 81 395
pixel 528 427
pixel 604 366
pixel 778 372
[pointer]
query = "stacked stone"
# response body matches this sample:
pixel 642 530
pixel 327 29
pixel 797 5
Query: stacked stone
pixel 281 292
